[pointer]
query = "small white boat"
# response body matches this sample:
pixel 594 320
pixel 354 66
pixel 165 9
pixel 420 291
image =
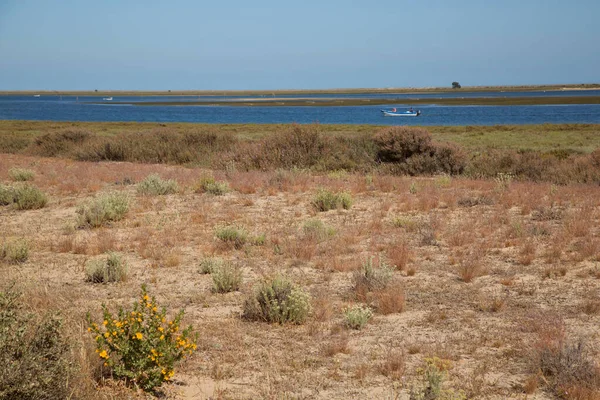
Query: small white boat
pixel 107 98
pixel 407 113
pixel 36 95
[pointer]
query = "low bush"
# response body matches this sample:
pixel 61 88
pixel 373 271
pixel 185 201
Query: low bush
pixel 110 269
pixel 209 264
pixel 399 143
pixel 357 316
pixel 140 345
pixel 411 151
pixel 209 185
pixel 103 209
pixel 21 174
pixel 34 354
pixel 569 369
pixel 154 185
pixel 7 195
pixel 226 278
pixel 15 252
pixel 29 197
pixel 326 200
pixel 232 235
pixel 278 300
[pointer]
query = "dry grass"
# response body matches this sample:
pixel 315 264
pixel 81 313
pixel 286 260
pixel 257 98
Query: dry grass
pixel 422 309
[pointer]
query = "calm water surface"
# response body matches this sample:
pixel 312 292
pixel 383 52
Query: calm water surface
pixel 70 108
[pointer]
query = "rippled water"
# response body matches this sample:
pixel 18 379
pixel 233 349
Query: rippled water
pixel 56 108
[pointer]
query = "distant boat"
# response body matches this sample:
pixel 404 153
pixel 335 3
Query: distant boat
pixel 107 98
pixel 36 95
pixel 407 113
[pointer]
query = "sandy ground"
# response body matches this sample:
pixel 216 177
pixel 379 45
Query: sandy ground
pixel 533 251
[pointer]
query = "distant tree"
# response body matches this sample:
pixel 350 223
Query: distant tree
pixel 95 90
pixel 455 85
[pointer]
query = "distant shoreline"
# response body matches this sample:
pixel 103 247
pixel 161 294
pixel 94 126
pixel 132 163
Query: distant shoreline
pixel 409 90
pixel 339 102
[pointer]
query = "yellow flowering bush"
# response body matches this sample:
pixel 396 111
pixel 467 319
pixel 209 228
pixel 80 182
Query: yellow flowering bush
pixel 141 345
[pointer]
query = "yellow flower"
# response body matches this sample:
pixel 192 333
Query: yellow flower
pixel 139 320
pixel 106 334
pixel 146 297
pixel 154 308
pixel 139 336
pixel 162 337
pixel 89 329
pixel 103 354
pixel 160 328
pixel 105 322
pixel 114 333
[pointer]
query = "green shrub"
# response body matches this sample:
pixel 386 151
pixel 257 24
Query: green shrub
pixel 7 195
pixel 278 300
pixel 232 235
pixel 29 197
pixel 21 174
pixel 15 252
pixel 34 361
pixel 208 184
pixel 317 230
pixel 226 278
pixel 140 345
pixel 357 316
pixel 326 200
pixel 105 270
pixel 103 209
pixel 154 185
pixel 209 264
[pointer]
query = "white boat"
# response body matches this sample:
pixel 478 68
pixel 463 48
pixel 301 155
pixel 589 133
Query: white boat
pixel 107 98
pixel 407 113
pixel 36 95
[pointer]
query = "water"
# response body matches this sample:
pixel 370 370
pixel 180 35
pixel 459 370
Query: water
pixel 67 108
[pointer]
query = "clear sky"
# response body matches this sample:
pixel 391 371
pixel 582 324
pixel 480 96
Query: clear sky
pixel 306 44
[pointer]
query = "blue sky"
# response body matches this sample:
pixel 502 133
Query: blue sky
pixel 309 44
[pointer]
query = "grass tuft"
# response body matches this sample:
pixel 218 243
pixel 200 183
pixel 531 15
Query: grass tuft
pixel 15 252
pixel 208 184
pixel 326 200
pixel 232 235
pixel 110 269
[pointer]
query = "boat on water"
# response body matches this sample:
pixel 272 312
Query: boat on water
pixel 107 98
pixel 36 95
pixel 394 113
